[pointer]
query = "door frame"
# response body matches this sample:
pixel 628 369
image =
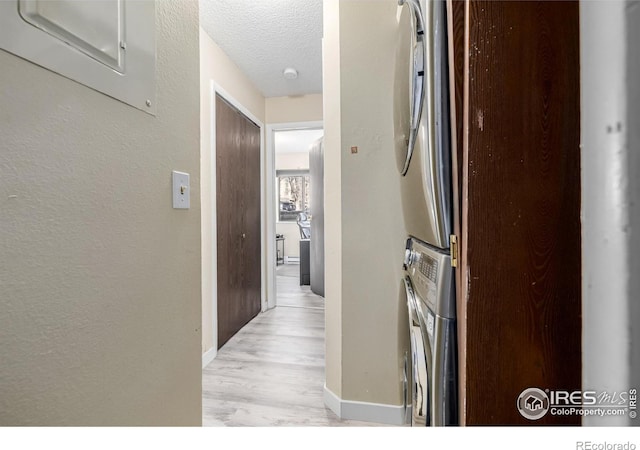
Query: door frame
pixel 271 200
pixel 216 89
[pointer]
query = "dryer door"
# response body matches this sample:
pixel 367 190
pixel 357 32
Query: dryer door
pixel 421 121
pixel 420 356
pixel 408 82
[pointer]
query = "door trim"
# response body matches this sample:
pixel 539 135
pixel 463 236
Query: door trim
pixel 270 190
pixel 216 89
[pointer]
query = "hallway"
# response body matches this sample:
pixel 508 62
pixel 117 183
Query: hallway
pixel 290 293
pixel 271 373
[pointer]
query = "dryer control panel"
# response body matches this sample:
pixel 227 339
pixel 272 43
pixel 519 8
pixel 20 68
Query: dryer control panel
pixel 432 277
pixel 428 267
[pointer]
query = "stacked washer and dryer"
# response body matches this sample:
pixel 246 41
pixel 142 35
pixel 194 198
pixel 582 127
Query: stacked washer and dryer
pixel 423 149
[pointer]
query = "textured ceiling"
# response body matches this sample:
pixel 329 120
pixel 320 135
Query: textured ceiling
pixel 263 37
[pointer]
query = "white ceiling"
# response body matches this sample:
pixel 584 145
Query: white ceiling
pixel 263 37
pixel 295 141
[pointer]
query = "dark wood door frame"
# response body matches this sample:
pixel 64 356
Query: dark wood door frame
pixel 517 108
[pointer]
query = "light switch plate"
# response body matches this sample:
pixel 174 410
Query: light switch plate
pixel 181 190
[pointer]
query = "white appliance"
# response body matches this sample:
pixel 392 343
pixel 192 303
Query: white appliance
pixel 421 120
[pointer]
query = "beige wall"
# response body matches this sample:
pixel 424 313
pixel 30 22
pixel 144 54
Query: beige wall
pixel 291 233
pixel 364 268
pixel 332 195
pixel 292 161
pixel 290 230
pixel 99 276
pixel 303 108
pixel 215 66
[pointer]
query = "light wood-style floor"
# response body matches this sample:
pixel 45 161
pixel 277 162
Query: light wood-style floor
pixel 271 373
pixel 290 293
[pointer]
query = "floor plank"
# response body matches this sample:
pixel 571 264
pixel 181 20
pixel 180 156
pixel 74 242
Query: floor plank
pixel 290 293
pixel 271 373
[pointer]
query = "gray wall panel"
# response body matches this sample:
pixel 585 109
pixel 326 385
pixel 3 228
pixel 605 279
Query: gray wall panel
pixel 316 172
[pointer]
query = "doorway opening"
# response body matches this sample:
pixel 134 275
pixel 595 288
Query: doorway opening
pixel 291 212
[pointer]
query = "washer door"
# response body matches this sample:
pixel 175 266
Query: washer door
pixel 409 81
pixel 420 356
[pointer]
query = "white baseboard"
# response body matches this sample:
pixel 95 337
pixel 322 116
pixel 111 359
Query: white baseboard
pixel 364 411
pixel 332 401
pixel 209 356
pixel 291 259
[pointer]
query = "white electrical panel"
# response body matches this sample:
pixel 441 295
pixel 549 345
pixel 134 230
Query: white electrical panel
pixel 95 28
pixel 107 45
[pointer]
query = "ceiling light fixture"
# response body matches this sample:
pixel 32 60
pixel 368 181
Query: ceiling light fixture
pixel 290 73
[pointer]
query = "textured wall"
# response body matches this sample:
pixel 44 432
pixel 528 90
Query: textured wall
pixel 99 276
pixel 303 108
pixel 364 234
pixel 605 201
pixel 332 196
pixel 215 66
pixel 372 225
pixel 633 136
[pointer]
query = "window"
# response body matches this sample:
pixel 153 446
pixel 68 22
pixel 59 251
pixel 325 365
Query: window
pixel 293 194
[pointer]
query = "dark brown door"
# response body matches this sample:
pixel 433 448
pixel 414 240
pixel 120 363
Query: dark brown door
pixel 238 219
pixel 517 68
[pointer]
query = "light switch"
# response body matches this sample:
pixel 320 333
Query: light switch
pixel 181 190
